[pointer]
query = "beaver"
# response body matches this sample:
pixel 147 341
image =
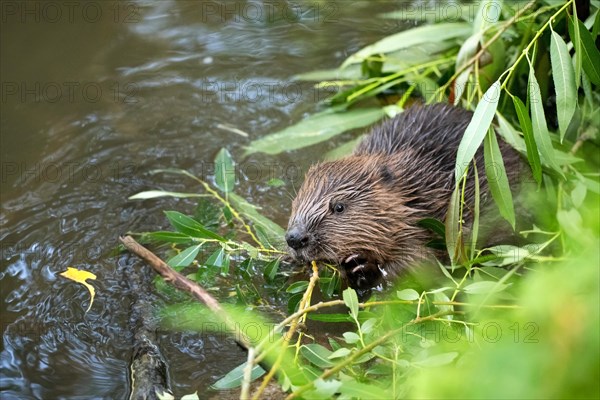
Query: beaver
pixel 361 212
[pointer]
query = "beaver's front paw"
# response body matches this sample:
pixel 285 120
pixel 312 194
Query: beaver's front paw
pixel 362 275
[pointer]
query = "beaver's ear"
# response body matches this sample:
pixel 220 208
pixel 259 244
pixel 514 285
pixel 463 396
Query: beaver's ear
pixel 386 174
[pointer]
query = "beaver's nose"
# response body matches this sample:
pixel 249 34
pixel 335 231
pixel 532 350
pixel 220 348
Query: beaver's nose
pixel 296 237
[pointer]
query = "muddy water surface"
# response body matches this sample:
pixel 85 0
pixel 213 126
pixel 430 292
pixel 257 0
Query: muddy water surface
pixel 96 94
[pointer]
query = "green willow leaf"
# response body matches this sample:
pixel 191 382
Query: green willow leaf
pixel 274 232
pixel 297 287
pixel 564 82
pixel 186 257
pixel 590 56
pixel 433 225
pixel 224 171
pixel 497 179
pixel 330 317
pixel 234 378
pixel 216 259
pixel 412 37
pixel 316 354
pixel 358 390
pixel 452 234
pixel 575 35
pixel 485 287
pixel 314 129
pixel 271 269
pixel 351 301
pixel 538 121
pixel 152 194
pixel 190 226
pixel 532 150
pixel 476 130
pixel 167 236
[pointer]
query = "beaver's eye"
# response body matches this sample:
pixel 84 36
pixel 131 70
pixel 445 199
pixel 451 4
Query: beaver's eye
pixel 339 208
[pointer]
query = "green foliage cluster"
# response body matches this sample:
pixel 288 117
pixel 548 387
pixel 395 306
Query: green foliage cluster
pixel 500 322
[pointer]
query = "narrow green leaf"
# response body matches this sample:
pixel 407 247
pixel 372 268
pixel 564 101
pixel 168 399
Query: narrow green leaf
pixel 351 301
pixel 353 389
pixel 576 39
pixel 433 225
pixel 314 129
pixel 497 179
pixel 590 55
pixel 484 287
pixel 167 236
pixel 332 286
pixel 186 257
pixel 152 194
pixel 341 352
pixel 476 210
pixel 224 171
pixel 271 269
pixel 452 228
pixel 317 354
pixel 564 82
pixel 225 265
pixel 190 226
pixel 234 378
pixel 294 302
pixel 297 287
pixel 532 150
pixel 460 84
pixel 468 49
pixel 538 120
pixel 477 128
pixel 509 254
pixel 330 317
pixel 216 259
pixel 412 37
pixel 274 232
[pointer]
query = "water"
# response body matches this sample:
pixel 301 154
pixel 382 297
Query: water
pixel 96 94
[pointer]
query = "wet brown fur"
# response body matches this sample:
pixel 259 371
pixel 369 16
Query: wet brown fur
pixel 402 172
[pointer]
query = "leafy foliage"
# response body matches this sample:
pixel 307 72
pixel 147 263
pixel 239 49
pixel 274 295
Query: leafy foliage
pixel 516 321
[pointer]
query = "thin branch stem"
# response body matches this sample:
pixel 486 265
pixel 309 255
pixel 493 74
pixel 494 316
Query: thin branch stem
pixel 354 356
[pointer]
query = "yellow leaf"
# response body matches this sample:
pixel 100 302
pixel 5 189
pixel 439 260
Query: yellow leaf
pixel 80 276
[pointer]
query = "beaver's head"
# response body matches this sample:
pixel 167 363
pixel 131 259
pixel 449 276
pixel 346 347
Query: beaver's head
pixel 350 213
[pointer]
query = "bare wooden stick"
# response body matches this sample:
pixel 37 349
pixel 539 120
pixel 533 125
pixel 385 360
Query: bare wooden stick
pixel 183 283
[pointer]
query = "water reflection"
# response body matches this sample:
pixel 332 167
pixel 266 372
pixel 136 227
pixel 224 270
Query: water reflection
pixel 90 104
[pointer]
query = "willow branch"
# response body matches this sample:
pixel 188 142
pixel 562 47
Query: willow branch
pixel 186 285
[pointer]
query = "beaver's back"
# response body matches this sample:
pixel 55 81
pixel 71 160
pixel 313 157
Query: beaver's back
pixel 435 130
pixel 425 139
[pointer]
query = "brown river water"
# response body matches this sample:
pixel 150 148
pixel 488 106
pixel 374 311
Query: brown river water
pixel 96 94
